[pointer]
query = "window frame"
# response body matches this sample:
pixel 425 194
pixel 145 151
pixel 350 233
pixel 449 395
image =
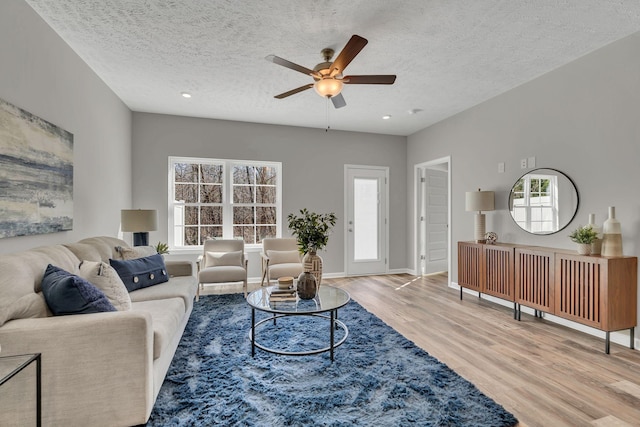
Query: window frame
pixel 227 198
pixel 527 206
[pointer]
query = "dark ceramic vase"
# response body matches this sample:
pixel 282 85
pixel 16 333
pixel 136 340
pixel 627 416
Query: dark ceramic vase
pixel 307 286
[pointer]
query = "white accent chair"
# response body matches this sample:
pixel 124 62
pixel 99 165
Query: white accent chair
pixel 223 261
pixel 280 257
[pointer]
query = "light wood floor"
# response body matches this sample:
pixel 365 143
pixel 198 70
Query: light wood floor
pixel 545 374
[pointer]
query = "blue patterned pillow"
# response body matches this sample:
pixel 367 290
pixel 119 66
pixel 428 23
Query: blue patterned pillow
pixel 141 272
pixel 66 293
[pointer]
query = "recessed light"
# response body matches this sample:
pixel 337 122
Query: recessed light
pixel 387 117
pixel 186 95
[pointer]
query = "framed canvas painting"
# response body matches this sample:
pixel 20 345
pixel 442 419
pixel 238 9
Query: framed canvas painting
pixel 36 174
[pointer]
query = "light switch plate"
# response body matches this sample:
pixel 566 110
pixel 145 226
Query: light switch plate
pixel 523 163
pixel 531 162
pixel 501 167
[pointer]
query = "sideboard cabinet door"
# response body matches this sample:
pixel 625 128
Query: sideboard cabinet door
pixel 498 276
pixel 534 278
pixel 470 266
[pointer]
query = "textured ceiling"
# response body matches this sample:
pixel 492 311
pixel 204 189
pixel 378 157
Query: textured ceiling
pixel 448 54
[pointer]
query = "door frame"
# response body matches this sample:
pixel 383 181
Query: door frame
pixel 417 203
pixel 385 169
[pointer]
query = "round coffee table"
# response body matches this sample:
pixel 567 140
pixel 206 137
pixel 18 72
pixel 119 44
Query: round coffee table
pixel 328 300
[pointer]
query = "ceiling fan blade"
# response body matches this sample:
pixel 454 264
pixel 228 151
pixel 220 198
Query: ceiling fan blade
pixel 370 80
pixel 289 64
pixel 294 91
pixel 353 47
pixel 338 101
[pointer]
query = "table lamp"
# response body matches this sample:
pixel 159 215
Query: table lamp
pixel 479 201
pixel 140 222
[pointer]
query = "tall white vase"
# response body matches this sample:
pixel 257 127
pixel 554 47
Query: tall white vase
pixel 612 240
pixel 596 246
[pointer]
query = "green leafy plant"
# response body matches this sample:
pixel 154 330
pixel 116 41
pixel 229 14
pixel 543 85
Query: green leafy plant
pixel 162 248
pixel 584 235
pixel 311 229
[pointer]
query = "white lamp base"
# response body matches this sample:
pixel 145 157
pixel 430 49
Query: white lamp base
pixel 479 228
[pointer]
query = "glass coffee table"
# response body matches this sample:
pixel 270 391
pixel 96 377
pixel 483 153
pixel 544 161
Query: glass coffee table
pixel 325 305
pixel 10 366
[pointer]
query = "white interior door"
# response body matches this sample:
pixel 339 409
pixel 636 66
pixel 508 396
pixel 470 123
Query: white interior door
pixel 435 220
pixel 366 220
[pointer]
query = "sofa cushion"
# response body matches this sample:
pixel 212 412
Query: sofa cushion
pixel 283 257
pixel 141 272
pixel 127 253
pixel 104 246
pixel 178 287
pixel 231 273
pixel 167 315
pixel 67 293
pixel 219 259
pixel 104 277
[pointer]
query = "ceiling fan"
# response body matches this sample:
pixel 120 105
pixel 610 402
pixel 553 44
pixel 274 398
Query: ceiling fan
pixel 328 75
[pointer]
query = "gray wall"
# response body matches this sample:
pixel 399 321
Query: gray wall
pixel 41 74
pixel 312 169
pixel 581 119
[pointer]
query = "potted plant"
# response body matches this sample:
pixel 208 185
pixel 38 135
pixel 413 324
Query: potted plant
pixel 162 248
pixel 312 233
pixel 584 236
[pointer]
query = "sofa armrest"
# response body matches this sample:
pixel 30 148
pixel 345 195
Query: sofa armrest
pixel 97 368
pixel 179 268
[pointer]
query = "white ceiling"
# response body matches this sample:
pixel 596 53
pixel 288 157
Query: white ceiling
pixel 448 54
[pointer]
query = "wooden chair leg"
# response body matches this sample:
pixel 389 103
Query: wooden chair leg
pixel 264 276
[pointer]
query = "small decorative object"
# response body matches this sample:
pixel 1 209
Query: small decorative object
pixel 307 285
pixel 312 232
pixel 285 282
pixel 478 201
pixel 596 246
pixel 612 235
pixel 162 248
pixel 491 237
pixel 584 237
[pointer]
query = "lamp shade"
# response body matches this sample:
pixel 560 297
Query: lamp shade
pixel 479 201
pixel 137 220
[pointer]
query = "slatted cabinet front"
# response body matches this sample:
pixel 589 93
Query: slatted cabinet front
pixel 578 289
pixel 498 271
pixel 534 278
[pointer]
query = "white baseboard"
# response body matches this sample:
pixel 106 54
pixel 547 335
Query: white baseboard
pixel 620 337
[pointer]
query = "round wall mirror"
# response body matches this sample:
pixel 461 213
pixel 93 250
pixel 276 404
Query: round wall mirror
pixel 543 201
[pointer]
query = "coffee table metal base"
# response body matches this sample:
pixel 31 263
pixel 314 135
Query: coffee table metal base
pixel 334 323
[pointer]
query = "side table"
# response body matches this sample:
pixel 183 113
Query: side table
pixel 10 366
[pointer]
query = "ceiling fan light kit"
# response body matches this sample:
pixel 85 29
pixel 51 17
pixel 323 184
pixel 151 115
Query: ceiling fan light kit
pixel 328 76
pixel 328 87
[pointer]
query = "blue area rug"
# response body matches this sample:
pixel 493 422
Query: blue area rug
pixel 378 378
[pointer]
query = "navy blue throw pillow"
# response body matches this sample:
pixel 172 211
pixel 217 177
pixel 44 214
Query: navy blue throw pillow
pixel 141 272
pixel 66 293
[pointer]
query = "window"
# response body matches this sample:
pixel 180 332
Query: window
pixel 223 198
pixel 535 203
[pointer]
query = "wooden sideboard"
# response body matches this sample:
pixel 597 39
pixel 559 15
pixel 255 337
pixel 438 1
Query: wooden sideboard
pixel 600 292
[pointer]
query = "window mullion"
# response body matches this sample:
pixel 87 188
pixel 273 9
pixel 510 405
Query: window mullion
pixel 227 201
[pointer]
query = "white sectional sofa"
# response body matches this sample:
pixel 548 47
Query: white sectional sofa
pixel 99 369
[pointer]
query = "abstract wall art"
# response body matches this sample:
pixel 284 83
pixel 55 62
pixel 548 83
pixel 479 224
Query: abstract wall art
pixel 36 174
